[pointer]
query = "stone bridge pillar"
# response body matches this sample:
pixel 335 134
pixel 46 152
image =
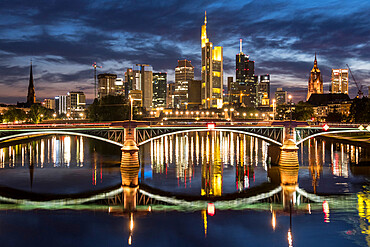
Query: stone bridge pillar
pixel 288 168
pixel 129 173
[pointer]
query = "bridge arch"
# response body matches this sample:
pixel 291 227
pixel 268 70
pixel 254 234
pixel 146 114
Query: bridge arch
pixel 217 129
pixel 56 132
pixel 330 132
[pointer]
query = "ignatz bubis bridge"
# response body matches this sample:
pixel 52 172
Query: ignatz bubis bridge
pixel 130 135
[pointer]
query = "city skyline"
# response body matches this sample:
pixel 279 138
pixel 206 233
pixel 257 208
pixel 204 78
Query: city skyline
pixel 64 38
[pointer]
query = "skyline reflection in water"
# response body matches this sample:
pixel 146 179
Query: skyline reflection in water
pixel 205 163
pixel 59 164
pixel 218 163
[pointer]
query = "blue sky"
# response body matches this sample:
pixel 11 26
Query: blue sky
pixel 64 38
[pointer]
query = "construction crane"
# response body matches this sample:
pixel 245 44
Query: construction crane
pixel 360 94
pixel 95 66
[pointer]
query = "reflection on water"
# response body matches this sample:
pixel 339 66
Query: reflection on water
pixel 58 164
pixel 212 163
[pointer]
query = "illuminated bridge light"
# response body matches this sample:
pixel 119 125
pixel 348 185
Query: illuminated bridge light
pixel 211 209
pixel 211 126
pixel 361 128
pixel 325 127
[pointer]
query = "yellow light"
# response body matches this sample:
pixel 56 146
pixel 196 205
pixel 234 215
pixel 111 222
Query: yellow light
pixel 232 109
pixel 361 128
pixel 244 114
pixel 273 220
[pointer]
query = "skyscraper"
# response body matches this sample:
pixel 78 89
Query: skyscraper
pixel 106 85
pixel 184 72
pixel 212 71
pixel 31 96
pixel 339 81
pixel 264 90
pixel 159 89
pixel 142 80
pixel 246 79
pixel 315 83
pixel 244 67
pixel 129 77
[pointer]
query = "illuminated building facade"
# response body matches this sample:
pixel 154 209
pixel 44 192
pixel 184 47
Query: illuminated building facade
pixel 106 85
pixel 61 104
pixel 339 81
pixel 264 90
pixel 315 83
pixel 184 72
pixel 159 89
pixel 281 96
pixel 143 80
pixel 212 72
pixel 49 103
pixel 119 86
pixel 76 104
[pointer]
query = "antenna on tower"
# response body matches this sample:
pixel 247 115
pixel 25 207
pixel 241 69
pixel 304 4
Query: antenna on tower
pixel 241 46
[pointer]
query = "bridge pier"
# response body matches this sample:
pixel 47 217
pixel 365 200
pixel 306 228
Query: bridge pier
pixel 129 173
pixel 288 168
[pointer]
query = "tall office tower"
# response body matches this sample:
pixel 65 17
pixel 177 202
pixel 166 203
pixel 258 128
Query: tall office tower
pixel 281 96
pixel 31 96
pixel 244 67
pixel 315 83
pixel 76 104
pixel 184 72
pixel 212 72
pixel 129 78
pixel 245 77
pixel 119 86
pixel 195 99
pixel 106 85
pixel 61 104
pixel 264 90
pixel 143 80
pixel 159 89
pixel 339 81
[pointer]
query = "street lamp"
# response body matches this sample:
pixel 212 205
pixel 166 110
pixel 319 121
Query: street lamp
pixel 54 115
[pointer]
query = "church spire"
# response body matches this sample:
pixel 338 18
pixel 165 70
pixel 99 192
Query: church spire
pixel 31 97
pixel 205 17
pixel 315 62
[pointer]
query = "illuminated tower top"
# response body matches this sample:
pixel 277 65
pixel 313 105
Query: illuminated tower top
pixel 204 38
pixel 315 82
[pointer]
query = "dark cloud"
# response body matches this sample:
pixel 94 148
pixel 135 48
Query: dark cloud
pixel 281 37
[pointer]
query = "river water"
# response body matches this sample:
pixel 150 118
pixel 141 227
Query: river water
pixel 192 165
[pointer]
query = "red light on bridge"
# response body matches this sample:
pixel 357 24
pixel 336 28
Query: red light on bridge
pixel 325 127
pixel 211 126
pixel 211 209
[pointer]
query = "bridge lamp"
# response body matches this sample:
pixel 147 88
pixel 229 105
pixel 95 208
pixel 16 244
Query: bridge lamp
pixel 81 115
pixel 54 115
pixel 207 113
pixel 244 114
pixel 187 113
pixel 368 128
pixel 226 109
pixel 177 113
pixel 251 114
pixel 256 115
pixel 211 209
pixel 361 128
pixel 232 109
pixel 41 115
pixel 325 127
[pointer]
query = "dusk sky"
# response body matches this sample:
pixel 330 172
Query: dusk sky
pixel 64 39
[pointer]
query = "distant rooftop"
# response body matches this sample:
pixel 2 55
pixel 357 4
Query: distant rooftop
pixel 327 98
